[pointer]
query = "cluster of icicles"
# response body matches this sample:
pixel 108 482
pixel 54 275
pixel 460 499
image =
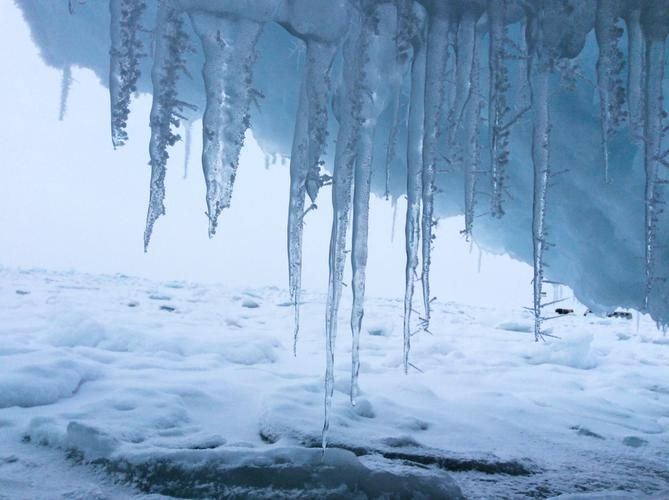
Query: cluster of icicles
pixel 439 41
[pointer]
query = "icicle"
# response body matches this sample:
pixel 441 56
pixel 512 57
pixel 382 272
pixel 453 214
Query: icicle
pixel 539 79
pixel 229 48
pixel 609 65
pixel 355 50
pixel 435 97
pixel 126 50
pixel 66 84
pixel 308 144
pixel 168 62
pixel 497 103
pixel 362 185
pixel 653 135
pixel 188 139
pixel 401 49
pixel 394 222
pixel 635 58
pixel 414 189
pixel 471 151
pixel 466 37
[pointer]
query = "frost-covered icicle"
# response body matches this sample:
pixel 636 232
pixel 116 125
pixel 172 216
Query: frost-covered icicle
pixel 498 107
pixel 471 149
pixel 635 57
pixel 653 132
pixel 435 97
pixel 171 42
pixel 539 92
pixel 308 144
pixel 355 52
pixel 609 66
pixel 126 50
pixel 229 49
pixel 414 188
pixel 65 86
pixel 466 38
pixel 362 185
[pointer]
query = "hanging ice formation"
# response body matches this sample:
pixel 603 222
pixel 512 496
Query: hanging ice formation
pixel 403 80
pixel 610 66
pixel 656 28
pixel 126 50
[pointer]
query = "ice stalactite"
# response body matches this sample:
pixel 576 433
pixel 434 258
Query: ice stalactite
pixel 171 42
pixel 610 65
pixel 350 122
pixel 188 141
pixel 471 149
pixel 466 38
pixel 498 106
pixel 435 99
pixel 361 192
pixel 65 86
pixel 308 145
pixel 126 50
pixel 402 48
pixel 655 33
pixel 380 41
pixel 539 68
pixel 229 48
pixel 635 57
pixel 414 187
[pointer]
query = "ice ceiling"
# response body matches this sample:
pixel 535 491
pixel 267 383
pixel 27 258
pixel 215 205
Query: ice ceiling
pixel 542 121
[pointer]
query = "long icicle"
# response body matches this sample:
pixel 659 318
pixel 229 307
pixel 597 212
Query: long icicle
pixel 653 132
pixel 539 80
pixel 308 144
pixel 126 51
pixel 355 51
pixel 435 96
pixel 465 40
pixel 414 189
pixel 229 49
pixel 635 58
pixel 171 42
pixel 497 103
pixel 609 64
pixel 471 149
pixel 362 186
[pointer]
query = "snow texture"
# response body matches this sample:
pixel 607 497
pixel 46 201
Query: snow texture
pixel 104 394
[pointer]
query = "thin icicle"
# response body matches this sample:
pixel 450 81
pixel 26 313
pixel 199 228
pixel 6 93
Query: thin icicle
pixel 401 49
pixel 635 57
pixel 653 135
pixel 466 37
pixel 435 97
pixel 539 95
pixel 362 185
pixel 229 49
pixel 66 84
pixel 308 144
pixel 498 107
pixel 414 189
pixel 350 122
pixel 171 42
pixel 471 149
pixel 188 139
pixel 126 50
pixel 609 66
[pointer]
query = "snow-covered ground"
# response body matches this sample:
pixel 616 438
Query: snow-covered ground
pixel 190 390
